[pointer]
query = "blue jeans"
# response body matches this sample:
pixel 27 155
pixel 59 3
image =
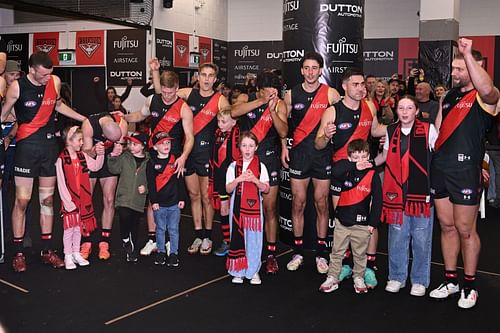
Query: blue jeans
pixel 167 218
pixel 418 230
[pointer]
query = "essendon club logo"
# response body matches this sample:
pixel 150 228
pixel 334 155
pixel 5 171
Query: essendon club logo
pixel 45 45
pixel 89 45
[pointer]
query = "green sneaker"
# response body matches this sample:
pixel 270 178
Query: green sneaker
pixel 345 273
pixel 370 278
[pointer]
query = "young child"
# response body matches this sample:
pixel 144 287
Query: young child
pixel 407 206
pixel 73 182
pixel 131 191
pixel 167 194
pixel 246 179
pixel 357 214
pixel 224 151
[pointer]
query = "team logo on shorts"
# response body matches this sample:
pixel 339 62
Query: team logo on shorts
pixel 328 168
pixel 466 191
pixel 299 106
pixel 391 195
pixel 274 174
pixel 344 126
pixel 251 115
pixel 30 104
pixel 347 183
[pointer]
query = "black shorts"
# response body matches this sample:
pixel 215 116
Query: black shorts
pixel 104 171
pixel 463 187
pixel 197 163
pixel 36 158
pixel 273 166
pixel 310 164
pixel 335 186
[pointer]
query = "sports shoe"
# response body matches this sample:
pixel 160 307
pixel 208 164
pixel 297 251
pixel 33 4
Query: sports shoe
pixel 444 290
pixel 195 247
pixel 148 248
pixel 128 246
pixel 19 263
pixel 132 257
pixel 160 258
pixel 78 259
pixel 330 284
pixel 345 273
pixel 237 280
pixel 295 263
pixel 321 265
pixel 223 250
pixel 104 251
pixel 359 285
pixel 68 262
pixel 468 298
pixel 370 278
pixel 172 260
pixel 393 286
pixel 271 264
pixel 417 290
pixel 86 249
pixel 167 248
pixel 256 279
pixel 51 258
pixel 206 246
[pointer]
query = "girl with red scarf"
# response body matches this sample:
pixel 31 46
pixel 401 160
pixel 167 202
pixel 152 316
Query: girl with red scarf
pixel 407 206
pixel 72 169
pixel 246 179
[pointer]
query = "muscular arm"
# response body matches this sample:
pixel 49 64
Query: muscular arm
pixel 322 136
pixel 242 106
pixel 88 143
pixel 3 61
pixel 242 99
pixel 187 125
pixel 10 99
pixel 333 96
pixel 280 120
pixel 481 81
pixel 184 93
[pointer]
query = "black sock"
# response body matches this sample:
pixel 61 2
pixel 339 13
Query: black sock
pixel 105 233
pixel 224 224
pixel 152 236
pixel 86 239
pixel 371 260
pixel 46 242
pixel 208 233
pixel 18 244
pixel 271 248
pixel 450 277
pixel 298 244
pixel 469 281
pixel 198 233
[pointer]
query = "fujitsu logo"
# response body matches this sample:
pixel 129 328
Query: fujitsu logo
pixel 125 43
pixel 13 47
pixel 45 45
pixel 89 45
pixel 342 47
pixel 246 52
pixel 291 6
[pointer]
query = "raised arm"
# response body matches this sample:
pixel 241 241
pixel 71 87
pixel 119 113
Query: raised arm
pixel 184 93
pixel 154 65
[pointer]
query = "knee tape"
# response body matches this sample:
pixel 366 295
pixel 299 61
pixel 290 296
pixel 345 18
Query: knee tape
pixel 46 196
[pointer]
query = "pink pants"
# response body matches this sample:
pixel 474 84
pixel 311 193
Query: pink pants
pixel 71 240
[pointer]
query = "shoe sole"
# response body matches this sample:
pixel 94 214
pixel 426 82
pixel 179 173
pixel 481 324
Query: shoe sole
pixel 361 291
pixel 329 290
pixel 237 282
pixel 442 299
pixel 255 283
pixel 147 254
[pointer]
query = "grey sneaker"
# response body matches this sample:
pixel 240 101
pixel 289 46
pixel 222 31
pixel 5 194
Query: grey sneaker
pixel 172 260
pixel 195 247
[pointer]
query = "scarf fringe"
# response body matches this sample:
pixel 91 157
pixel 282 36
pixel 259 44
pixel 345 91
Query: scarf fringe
pixel 71 220
pixel 251 223
pixel 417 208
pixel 236 264
pixel 392 216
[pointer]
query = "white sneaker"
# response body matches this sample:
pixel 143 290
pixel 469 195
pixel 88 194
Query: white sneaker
pixel 68 262
pixel 237 280
pixel 393 286
pixel 256 279
pixel 359 285
pixel 330 284
pixel 444 290
pixel 321 265
pixel 295 263
pixel 195 247
pixel 148 248
pixel 467 302
pixel 417 290
pixel 167 248
pixel 78 259
pixel 206 246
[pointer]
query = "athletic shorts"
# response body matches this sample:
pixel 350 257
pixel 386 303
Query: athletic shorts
pixel 273 165
pixel 310 164
pixel 35 158
pixel 335 186
pixel 197 163
pixel 463 187
pixel 103 172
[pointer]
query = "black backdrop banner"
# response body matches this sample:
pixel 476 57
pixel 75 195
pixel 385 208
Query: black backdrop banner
pixel 164 46
pixel 333 28
pixel 126 57
pixel 381 57
pixel 17 48
pixel 435 59
pixel 497 62
pixel 219 55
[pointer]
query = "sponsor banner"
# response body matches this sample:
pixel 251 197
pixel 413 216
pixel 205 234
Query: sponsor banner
pixel 47 42
pixel 126 57
pixel 485 45
pixel 17 47
pixel 435 58
pixel 181 50
pixel 252 57
pixel 205 47
pixel 333 28
pixel 219 52
pixel 407 55
pixel 90 47
pixel 380 57
pixel 164 46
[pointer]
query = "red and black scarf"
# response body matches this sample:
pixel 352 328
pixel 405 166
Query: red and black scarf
pixel 246 215
pixel 224 151
pixel 78 184
pixel 410 169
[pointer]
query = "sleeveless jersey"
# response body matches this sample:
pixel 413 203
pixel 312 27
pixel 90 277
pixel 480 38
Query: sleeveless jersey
pixel 167 118
pixel 465 146
pixel 203 139
pixel 27 107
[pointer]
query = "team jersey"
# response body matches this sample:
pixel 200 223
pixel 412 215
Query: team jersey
pixel 204 119
pixel 168 118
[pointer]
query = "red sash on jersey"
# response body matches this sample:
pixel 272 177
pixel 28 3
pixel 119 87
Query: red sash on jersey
pixel 358 193
pixel 173 115
pixel 42 117
pixel 454 118
pixel 263 125
pixel 163 178
pixel 206 114
pixel 360 132
pixel 312 117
